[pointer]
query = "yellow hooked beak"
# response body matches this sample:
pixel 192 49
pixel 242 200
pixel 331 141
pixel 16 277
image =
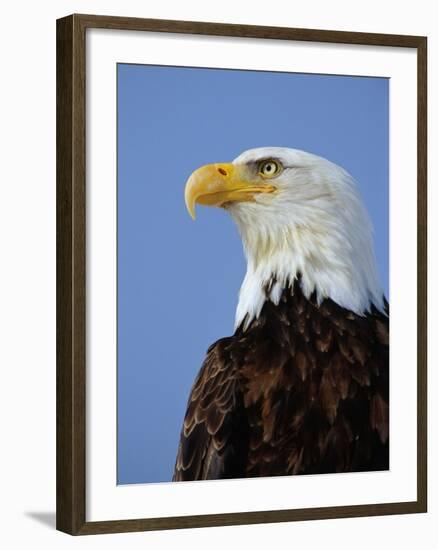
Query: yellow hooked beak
pixel 218 184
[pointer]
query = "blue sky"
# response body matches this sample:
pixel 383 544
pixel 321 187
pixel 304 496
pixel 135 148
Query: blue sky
pixel 178 280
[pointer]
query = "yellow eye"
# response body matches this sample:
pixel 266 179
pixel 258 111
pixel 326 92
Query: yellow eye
pixel 269 168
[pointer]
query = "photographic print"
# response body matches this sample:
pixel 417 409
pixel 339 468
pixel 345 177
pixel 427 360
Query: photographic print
pixel 241 274
pixel 253 341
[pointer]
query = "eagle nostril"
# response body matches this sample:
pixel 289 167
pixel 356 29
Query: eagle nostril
pixel 222 171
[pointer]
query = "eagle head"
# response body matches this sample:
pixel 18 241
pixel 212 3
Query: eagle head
pixel 301 218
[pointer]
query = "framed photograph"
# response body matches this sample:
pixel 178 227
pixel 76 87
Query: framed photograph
pixel 267 361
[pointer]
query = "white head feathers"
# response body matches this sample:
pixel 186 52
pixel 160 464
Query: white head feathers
pixel 315 227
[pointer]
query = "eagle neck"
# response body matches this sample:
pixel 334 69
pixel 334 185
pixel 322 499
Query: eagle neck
pixel 323 265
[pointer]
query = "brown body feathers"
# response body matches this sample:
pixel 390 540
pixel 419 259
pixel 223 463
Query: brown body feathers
pixel 304 390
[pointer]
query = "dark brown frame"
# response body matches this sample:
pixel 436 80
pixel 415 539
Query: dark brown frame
pixel 71 231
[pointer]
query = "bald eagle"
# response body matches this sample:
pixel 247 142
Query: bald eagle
pixel 302 386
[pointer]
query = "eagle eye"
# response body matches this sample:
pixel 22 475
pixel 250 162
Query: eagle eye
pixel 269 168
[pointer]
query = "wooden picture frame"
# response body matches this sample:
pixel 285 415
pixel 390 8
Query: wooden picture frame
pixel 71 272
